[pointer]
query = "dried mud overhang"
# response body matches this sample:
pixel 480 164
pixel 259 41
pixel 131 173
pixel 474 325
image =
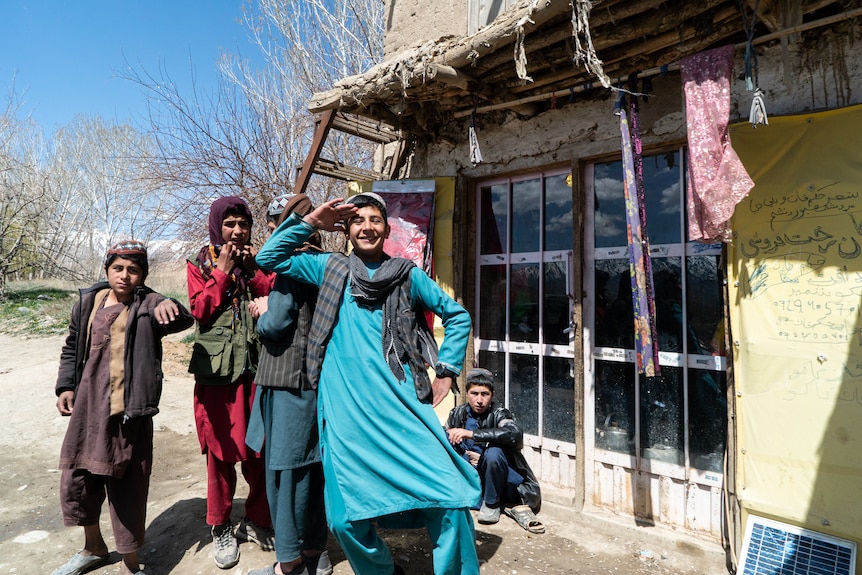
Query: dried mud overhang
pixel 540 49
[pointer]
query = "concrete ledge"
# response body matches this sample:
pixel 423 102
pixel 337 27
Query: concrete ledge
pixel 599 528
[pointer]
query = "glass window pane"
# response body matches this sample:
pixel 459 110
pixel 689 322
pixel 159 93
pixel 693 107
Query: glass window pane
pixel 558 228
pixel 614 310
pixel 615 406
pixel 558 401
pixel 610 205
pixel 707 416
pixel 524 303
pixel 705 310
pixel 526 209
pixel 493 219
pixel 667 287
pixel 694 325
pixel 524 391
pixel 662 416
pixel 662 194
pixel 557 309
pixel 492 308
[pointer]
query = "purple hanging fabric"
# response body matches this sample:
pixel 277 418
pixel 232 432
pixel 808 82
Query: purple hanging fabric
pixel 717 179
pixel 637 160
pixel 644 335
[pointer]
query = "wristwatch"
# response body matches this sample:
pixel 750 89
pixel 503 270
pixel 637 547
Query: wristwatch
pixel 443 371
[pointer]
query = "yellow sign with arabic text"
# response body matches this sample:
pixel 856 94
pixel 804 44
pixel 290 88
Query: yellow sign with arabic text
pixel 796 290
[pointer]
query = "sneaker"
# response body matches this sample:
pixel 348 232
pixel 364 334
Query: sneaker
pixel 488 515
pixel 320 565
pixel 225 549
pixel 263 536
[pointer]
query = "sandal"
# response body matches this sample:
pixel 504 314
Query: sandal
pixel 80 564
pixel 524 516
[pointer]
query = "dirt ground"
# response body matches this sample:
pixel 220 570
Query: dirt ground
pixel 34 541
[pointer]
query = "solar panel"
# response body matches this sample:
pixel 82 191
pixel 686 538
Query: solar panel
pixel 775 548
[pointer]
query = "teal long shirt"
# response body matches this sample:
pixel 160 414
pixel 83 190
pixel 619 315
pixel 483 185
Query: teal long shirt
pixel 385 452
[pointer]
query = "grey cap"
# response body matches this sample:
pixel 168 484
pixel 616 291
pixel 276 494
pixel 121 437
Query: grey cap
pixel 480 376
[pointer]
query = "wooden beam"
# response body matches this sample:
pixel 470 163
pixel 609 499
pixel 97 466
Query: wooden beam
pixel 322 124
pixel 339 171
pixel 598 17
pixel 767 13
pixel 654 44
pixel 457 53
pixel 672 66
pixel 365 128
pixel 399 152
pixel 450 76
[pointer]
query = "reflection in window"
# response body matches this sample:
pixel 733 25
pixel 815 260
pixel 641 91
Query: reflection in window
pixel 558 228
pixel 704 279
pixel 559 399
pixel 668 303
pixel 662 177
pixel 661 416
pixel 492 312
pixel 614 321
pixel 496 364
pixel 707 416
pixel 615 408
pixel 687 282
pixel 556 300
pixel 524 391
pixel 525 303
pixel 610 205
pixel 526 204
pixel 663 207
pixel 494 219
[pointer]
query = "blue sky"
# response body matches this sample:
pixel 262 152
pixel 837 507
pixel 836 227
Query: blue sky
pixel 64 56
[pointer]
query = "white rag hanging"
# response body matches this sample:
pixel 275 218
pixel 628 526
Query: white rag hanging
pixel 521 56
pixel 520 52
pixel 758 110
pixel 475 152
pixel 585 52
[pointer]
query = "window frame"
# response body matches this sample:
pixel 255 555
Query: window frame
pixel 540 258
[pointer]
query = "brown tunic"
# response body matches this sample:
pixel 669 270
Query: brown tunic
pixel 96 440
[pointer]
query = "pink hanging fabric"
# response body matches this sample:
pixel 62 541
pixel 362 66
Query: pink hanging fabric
pixel 717 179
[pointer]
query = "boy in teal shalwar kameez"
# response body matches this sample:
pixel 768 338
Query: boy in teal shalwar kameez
pixel 368 351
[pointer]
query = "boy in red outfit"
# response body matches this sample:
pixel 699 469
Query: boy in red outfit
pixel 222 280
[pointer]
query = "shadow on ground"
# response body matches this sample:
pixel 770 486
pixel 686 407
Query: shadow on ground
pixel 174 533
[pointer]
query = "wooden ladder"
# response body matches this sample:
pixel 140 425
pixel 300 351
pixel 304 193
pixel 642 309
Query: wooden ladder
pixel 356 126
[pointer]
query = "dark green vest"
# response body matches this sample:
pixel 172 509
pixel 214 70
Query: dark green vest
pixel 226 348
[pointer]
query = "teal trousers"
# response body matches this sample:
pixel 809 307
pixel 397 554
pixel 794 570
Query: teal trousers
pixel 451 532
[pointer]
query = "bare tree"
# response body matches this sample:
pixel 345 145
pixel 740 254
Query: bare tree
pixel 20 145
pixel 211 145
pixel 250 135
pixel 310 45
pixel 93 194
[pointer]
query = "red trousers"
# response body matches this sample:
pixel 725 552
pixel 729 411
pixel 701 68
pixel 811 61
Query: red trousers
pixel 221 417
pixel 221 488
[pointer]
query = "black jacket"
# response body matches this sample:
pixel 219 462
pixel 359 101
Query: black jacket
pixel 497 428
pixel 142 350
